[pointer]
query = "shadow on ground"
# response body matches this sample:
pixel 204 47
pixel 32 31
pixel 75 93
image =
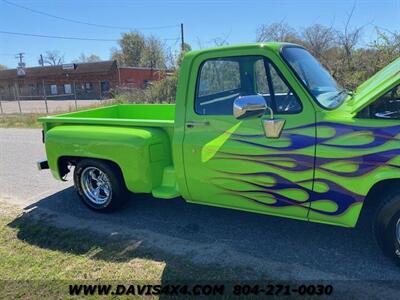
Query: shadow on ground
pixel 345 252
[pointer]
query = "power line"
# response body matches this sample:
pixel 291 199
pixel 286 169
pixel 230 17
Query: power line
pixel 57 37
pixel 67 37
pixel 85 23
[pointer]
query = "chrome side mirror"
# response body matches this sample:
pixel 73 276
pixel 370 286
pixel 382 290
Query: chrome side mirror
pixel 273 127
pixel 249 107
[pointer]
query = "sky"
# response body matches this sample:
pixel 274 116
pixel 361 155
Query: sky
pixel 204 21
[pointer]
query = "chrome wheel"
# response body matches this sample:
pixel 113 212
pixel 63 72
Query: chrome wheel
pixel 398 231
pixel 96 185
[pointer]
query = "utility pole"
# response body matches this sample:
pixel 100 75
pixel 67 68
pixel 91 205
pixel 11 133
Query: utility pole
pixel 20 72
pixel 21 64
pixel 45 97
pixel 182 39
pixel 41 62
pixel 21 57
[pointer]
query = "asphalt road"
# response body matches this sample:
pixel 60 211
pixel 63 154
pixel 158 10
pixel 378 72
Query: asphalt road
pixel 287 249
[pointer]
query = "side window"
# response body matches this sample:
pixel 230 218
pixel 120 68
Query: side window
pixel 261 79
pixel 221 81
pixel 218 85
pixel 276 92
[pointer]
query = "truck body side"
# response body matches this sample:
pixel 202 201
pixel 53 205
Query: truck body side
pixel 321 168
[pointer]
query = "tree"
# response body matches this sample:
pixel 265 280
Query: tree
pixel 319 39
pixel 153 56
pixel 186 48
pixel 350 61
pixel 277 32
pixel 387 46
pixel 87 59
pixel 221 40
pixel 132 48
pixel 350 37
pixel 3 67
pixel 53 58
pixel 136 50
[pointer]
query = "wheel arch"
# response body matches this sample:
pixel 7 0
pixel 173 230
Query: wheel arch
pixel 380 186
pixel 372 201
pixel 64 162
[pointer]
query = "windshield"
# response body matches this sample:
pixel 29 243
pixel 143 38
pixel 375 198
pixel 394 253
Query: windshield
pixel 317 79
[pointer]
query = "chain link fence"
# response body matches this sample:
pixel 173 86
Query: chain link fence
pixel 49 97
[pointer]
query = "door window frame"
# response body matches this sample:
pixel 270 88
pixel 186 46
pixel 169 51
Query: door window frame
pixel 266 60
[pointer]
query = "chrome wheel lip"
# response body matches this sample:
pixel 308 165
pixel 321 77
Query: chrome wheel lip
pixel 397 231
pixel 96 185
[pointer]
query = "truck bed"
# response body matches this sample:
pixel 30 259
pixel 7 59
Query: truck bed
pixel 154 115
pixel 135 137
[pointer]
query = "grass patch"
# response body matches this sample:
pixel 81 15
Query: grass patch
pixel 37 257
pixel 20 120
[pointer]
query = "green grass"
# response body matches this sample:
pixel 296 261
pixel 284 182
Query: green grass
pixel 39 259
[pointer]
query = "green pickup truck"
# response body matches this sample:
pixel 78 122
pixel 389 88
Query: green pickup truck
pixel 260 127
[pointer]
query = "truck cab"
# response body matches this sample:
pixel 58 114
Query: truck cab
pixel 261 127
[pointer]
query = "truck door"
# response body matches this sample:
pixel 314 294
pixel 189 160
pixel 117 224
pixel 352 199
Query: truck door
pixel 230 162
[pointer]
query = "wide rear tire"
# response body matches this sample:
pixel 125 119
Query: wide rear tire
pixel 100 185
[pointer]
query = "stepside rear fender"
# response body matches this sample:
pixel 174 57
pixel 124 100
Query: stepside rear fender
pixel 142 153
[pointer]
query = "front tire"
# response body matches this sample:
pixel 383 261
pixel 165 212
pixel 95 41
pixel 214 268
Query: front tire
pixel 100 185
pixel 387 226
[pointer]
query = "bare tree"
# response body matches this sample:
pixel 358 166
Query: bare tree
pixel 87 59
pixel 350 37
pixel 218 41
pixel 222 40
pixel 53 58
pixel 386 46
pixel 319 39
pixel 278 32
pixel 3 67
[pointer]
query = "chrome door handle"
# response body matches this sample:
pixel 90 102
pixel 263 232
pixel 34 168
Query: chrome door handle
pixel 190 124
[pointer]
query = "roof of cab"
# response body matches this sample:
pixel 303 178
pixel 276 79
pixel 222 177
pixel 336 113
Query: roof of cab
pixel 275 46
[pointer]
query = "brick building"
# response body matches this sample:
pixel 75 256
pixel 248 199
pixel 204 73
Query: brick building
pixel 137 77
pixel 72 81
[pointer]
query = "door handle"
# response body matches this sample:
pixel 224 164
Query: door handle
pixel 191 124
